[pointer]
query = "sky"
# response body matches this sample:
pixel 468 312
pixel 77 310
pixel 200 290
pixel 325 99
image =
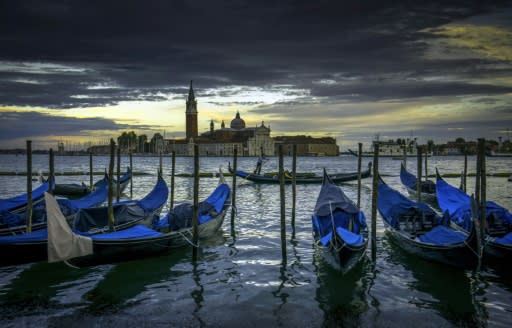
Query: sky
pixel 84 71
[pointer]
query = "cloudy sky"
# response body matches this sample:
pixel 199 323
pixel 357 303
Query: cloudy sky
pixel 85 70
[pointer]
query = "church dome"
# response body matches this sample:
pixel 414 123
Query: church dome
pixel 237 123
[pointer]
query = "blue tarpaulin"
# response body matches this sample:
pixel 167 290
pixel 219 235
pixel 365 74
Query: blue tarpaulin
pixel 441 235
pixel 137 231
pixel 458 205
pixel 505 240
pixel 9 204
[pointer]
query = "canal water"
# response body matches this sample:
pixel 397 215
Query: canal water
pixel 240 278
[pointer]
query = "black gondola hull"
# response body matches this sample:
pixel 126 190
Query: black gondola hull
pixel 498 255
pixel 461 255
pixel 117 250
pixel 346 258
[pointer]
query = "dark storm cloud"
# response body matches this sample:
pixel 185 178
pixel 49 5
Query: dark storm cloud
pixel 151 48
pixel 32 124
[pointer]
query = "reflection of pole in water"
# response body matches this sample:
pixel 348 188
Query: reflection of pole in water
pixel 197 294
pixel 279 293
pixel 282 204
pixel 477 287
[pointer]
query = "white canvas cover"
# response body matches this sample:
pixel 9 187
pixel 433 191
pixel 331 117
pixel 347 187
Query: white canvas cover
pixel 63 244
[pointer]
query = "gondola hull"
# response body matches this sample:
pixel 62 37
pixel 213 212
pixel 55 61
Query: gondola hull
pixel 71 189
pixel 462 255
pixel 112 251
pixel 23 252
pixel 497 255
pixel 12 253
pixel 345 258
pixel 32 247
pixel 335 178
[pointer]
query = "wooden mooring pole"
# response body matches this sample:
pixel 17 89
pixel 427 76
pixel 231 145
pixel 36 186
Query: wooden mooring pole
pixel 465 173
pixel 359 160
pixel 29 186
pixel 483 185
pixel 282 203
pixel 51 175
pixel 160 165
pixel 233 192
pixel 91 172
pixel 195 213
pixel 118 182
pixel 405 156
pixel 111 185
pixel 294 187
pixel 418 178
pixel 426 162
pixel 173 173
pixel 375 184
pixel 131 175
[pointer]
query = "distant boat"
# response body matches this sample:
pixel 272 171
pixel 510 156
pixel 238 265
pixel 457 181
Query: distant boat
pixel 395 156
pixel 304 178
pixel 75 189
pixel 339 227
pixel 492 153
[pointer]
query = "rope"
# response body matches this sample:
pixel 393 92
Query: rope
pixel 471 248
pixel 188 240
pixel 71 265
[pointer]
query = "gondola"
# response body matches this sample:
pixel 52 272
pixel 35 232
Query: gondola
pixel 137 241
pixel 339 227
pixel 18 203
pixel 12 223
pixel 335 178
pixel 32 246
pixel 497 239
pixel 419 230
pixel 80 189
pixel 427 187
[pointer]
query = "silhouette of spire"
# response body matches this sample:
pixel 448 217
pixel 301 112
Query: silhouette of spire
pixel 191 95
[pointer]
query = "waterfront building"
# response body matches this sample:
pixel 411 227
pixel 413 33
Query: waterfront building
pixel 250 141
pixel 308 146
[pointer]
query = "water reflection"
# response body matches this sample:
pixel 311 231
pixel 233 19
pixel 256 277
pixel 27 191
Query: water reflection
pixel 124 281
pixel 41 286
pixel 449 291
pixel 342 298
pixel 197 293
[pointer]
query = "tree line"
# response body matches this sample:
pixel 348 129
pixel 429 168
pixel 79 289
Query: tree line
pixel 131 142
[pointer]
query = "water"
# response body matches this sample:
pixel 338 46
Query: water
pixel 240 279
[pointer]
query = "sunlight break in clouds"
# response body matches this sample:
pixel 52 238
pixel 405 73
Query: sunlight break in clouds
pixel 487 41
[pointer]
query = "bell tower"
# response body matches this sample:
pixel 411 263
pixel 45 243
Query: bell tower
pixel 191 114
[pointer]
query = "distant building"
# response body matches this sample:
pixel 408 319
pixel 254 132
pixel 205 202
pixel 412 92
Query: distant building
pixel 249 141
pixel 307 146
